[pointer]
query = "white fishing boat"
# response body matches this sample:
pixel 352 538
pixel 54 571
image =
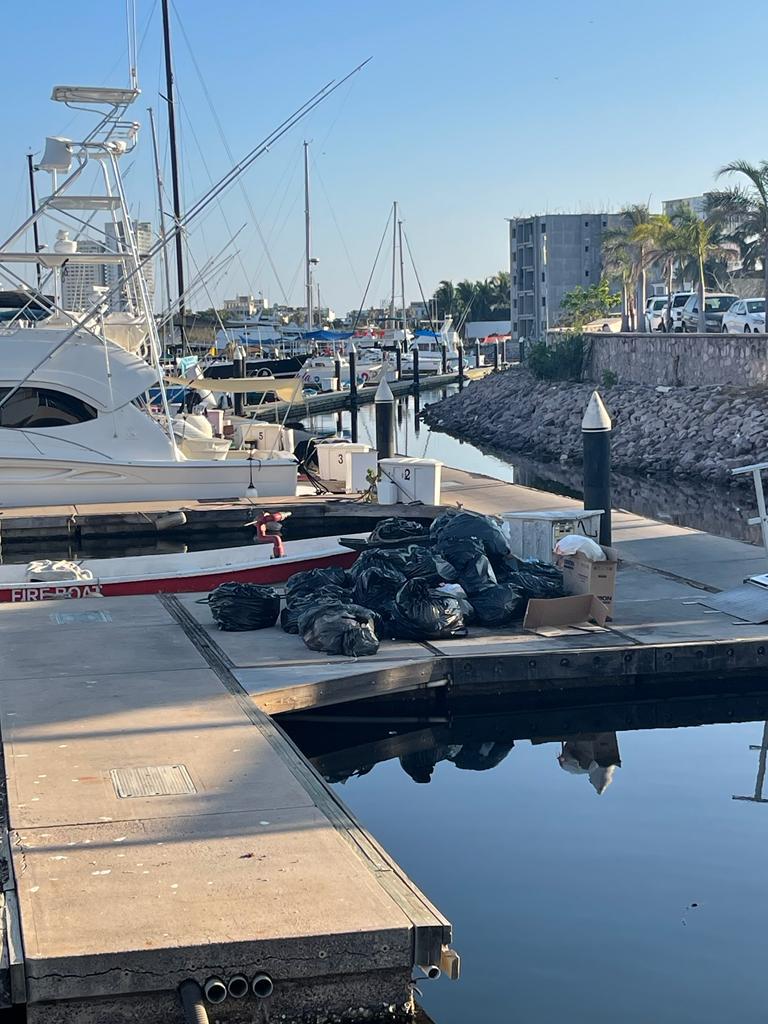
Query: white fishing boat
pixel 431 345
pixel 74 423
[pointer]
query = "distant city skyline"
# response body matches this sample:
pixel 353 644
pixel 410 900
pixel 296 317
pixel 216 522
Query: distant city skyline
pixel 466 115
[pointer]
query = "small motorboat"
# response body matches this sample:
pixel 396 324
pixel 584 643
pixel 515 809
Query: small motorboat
pixel 187 572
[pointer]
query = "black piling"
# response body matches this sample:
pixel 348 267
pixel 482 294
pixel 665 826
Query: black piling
pixel 444 357
pixel 398 363
pixel 460 349
pixel 496 357
pixel 352 375
pixel 384 403
pixel 596 438
pixel 238 372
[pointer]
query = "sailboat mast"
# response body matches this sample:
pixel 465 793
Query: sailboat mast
pixel 174 173
pixel 394 264
pixel 33 205
pixel 402 277
pixel 307 238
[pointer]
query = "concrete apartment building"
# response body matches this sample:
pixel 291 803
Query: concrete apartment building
pixel 78 279
pixel 114 238
pixel 549 256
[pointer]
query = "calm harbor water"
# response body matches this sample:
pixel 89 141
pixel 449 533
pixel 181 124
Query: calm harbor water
pixel 588 870
pixel 701 506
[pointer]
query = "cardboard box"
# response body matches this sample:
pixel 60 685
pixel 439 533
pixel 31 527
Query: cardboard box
pixel 581 576
pixel 564 611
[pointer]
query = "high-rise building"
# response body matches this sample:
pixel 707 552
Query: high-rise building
pixel 123 298
pixel 78 279
pixel 550 256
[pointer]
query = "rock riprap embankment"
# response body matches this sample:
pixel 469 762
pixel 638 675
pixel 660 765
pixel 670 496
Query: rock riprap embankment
pixel 698 432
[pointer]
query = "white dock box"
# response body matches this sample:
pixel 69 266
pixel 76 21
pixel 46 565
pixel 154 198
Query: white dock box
pixel 264 437
pixel 334 457
pixel 534 534
pixel 358 465
pixel 405 480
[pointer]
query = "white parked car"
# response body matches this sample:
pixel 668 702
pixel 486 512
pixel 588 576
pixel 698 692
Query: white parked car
pixel 655 313
pixel 679 299
pixel 747 316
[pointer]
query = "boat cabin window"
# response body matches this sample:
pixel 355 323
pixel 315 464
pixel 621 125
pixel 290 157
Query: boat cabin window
pixel 41 407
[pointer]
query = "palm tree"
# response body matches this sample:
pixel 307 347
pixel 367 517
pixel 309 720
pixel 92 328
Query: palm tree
pixel 700 240
pixel 667 249
pixel 744 209
pixel 617 263
pixel 640 232
pixel 445 299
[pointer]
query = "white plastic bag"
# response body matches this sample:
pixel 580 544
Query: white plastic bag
pixel 577 544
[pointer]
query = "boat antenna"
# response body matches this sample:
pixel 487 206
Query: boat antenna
pixel 402 278
pixel 133 61
pixel 33 206
pixel 172 143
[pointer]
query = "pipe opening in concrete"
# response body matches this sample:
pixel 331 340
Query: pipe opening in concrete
pixel 238 986
pixel 431 971
pixel 215 990
pixel 262 986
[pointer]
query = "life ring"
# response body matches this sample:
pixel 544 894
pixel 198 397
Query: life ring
pixel 363 376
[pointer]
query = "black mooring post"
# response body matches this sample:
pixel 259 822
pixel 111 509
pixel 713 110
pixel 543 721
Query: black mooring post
pixel 596 437
pixel 496 357
pixel 416 380
pixel 238 372
pixel 398 363
pixel 352 354
pixel 477 352
pixel 460 350
pixel 353 423
pixel 337 371
pixel 444 357
pixel 384 403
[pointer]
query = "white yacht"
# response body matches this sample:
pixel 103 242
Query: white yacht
pixel 75 422
pixel 431 344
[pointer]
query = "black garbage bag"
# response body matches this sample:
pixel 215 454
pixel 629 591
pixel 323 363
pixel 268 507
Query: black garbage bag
pixel 345 629
pixel 471 564
pixel 457 525
pixel 315 583
pixel 378 558
pixel 422 612
pixel 534 579
pixel 239 606
pixel 397 531
pixel 290 615
pixel 457 592
pixel 499 605
pixel 375 588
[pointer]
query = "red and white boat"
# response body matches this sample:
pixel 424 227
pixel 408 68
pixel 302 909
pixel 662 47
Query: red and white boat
pixel 192 571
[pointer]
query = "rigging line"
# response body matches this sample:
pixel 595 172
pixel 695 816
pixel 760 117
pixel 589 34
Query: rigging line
pixel 204 284
pixel 373 269
pixel 228 151
pixel 418 282
pixel 319 177
pixel 207 170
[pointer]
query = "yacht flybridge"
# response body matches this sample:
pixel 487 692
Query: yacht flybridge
pixel 75 421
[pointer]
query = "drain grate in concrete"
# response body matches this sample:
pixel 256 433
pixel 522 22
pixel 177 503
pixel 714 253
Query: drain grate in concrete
pixel 62 618
pixel 155 780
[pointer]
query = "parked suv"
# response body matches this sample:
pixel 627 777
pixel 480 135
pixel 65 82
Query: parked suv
pixel 679 299
pixel 655 313
pixel 745 317
pixel 715 306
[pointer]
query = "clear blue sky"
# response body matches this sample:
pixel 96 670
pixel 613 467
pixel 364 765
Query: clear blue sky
pixel 468 113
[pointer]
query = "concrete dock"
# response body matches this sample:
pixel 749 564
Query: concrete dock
pixel 162 826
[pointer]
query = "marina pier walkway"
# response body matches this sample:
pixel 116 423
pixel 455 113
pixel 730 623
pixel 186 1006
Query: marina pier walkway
pixel 162 825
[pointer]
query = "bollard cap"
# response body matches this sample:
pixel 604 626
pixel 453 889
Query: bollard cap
pixel 384 391
pixel 351 350
pixel 596 415
pixel 240 352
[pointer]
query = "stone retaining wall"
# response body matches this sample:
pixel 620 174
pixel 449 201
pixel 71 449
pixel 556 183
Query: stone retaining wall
pixel 687 360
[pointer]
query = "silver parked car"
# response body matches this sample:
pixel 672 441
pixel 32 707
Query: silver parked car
pixel 656 312
pixel 747 316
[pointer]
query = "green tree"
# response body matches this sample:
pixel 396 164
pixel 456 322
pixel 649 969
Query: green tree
pixel 445 299
pixel 618 265
pixel 581 305
pixel 743 212
pixel 666 248
pixel 700 241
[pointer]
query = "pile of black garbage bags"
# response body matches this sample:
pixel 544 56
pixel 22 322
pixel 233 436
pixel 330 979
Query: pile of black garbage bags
pixel 410 583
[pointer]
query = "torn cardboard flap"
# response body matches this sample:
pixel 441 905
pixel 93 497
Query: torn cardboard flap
pixel 564 611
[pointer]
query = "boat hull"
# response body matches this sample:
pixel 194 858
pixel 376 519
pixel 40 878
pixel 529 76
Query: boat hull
pixel 198 577
pixel 46 481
